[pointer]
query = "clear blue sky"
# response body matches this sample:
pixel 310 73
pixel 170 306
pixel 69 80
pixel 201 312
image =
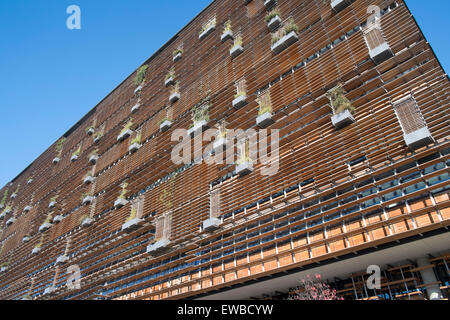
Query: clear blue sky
pixel 50 76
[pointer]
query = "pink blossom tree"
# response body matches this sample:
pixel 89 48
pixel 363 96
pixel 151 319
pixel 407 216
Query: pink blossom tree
pixel 314 289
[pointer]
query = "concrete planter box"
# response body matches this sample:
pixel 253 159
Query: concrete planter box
pixel 164 126
pixel 2 216
pixel 244 168
pixel 177 57
pixel 226 35
pixel 284 42
pixel 211 224
pixel 138 89
pixel 169 81
pixel 274 23
pixel 338 5
pixel 134 147
pixel 62 260
pixel 97 139
pixel 219 145
pixel 88 199
pixel 3 269
pixel 74 158
pixel 198 127
pixel 132 225
pixel 51 205
pixel 86 222
pixel 159 246
pixel 342 119
pixel 205 33
pixel 50 291
pixel 419 138
pixel 269 3
pixel 27 209
pixel 123 135
pixel 119 203
pixel 30 181
pixel 35 251
pixel 57 219
pixel 264 120
pixel 90 132
pixel 380 53
pixel 135 108
pixel 14 195
pixel 56 160
pixel 240 101
pixel 45 226
pixel 10 221
pixel 7 211
pixel 174 97
pixel 26 239
pixel 236 50
pixel 93 159
pixel 88 180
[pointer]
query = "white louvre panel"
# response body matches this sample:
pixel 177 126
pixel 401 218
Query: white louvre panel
pixel 167 225
pixel 215 203
pixel 409 115
pixel 159 228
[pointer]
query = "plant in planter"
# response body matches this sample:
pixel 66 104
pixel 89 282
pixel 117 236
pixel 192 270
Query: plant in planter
pixel 284 37
pixel 97 136
pixel 175 93
pixel 341 106
pixel 273 19
pixel 4 198
pixel 221 138
pixel 88 178
pixel 62 260
pixel 10 221
pixel 85 221
pixel 200 119
pixel 207 28
pixel 15 193
pixel 170 78
pixel 133 222
pixel 52 203
pixel 177 54
pixel 237 48
pixel 140 77
pixel 165 124
pixel 37 248
pixel 27 209
pixel 90 130
pixel 240 99
pixel 75 155
pixel 264 118
pixel 47 223
pixel 126 131
pixel 4 267
pixel 135 144
pixel 26 238
pixel 227 32
pixel 30 180
pixel 87 198
pixel 121 200
pixel 59 148
pixel 93 157
pixel 6 211
pixel 244 165
pixel 58 218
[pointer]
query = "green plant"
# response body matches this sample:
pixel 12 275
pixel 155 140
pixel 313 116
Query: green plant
pixel 83 217
pixel 175 88
pixel 240 93
pixel 8 208
pixel 124 190
pixel 60 144
pixel 339 102
pixel 38 246
pixel 227 26
pixel 93 153
pixel 140 75
pixel 132 215
pixel 200 113
pixel 5 196
pixel 272 14
pixel 137 139
pixel 288 27
pixel 177 51
pixel 209 24
pixel 245 155
pixel 53 199
pixel 85 194
pixel 77 152
pixel 237 41
pixel 127 126
pixel 170 74
pixel 89 128
pixel 4 264
pixel 98 135
pixel 49 218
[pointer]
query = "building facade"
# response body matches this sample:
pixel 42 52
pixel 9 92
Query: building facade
pixel 354 104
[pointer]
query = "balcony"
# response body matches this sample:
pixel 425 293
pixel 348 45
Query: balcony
pixel 342 119
pixel 339 5
pixel 419 138
pixel 158 247
pixel 264 120
pixel 284 42
pixel 380 53
pixel 45 226
pixel 165 125
pixel 124 134
pixel 198 127
pixel 244 168
pixel 132 225
pixel 10 221
pixel 211 224
pixel 86 222
pixel 88 180
pixel 57 219
pixel 236 50
pixel 240 101
pixel 62 260
pixel 120 202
